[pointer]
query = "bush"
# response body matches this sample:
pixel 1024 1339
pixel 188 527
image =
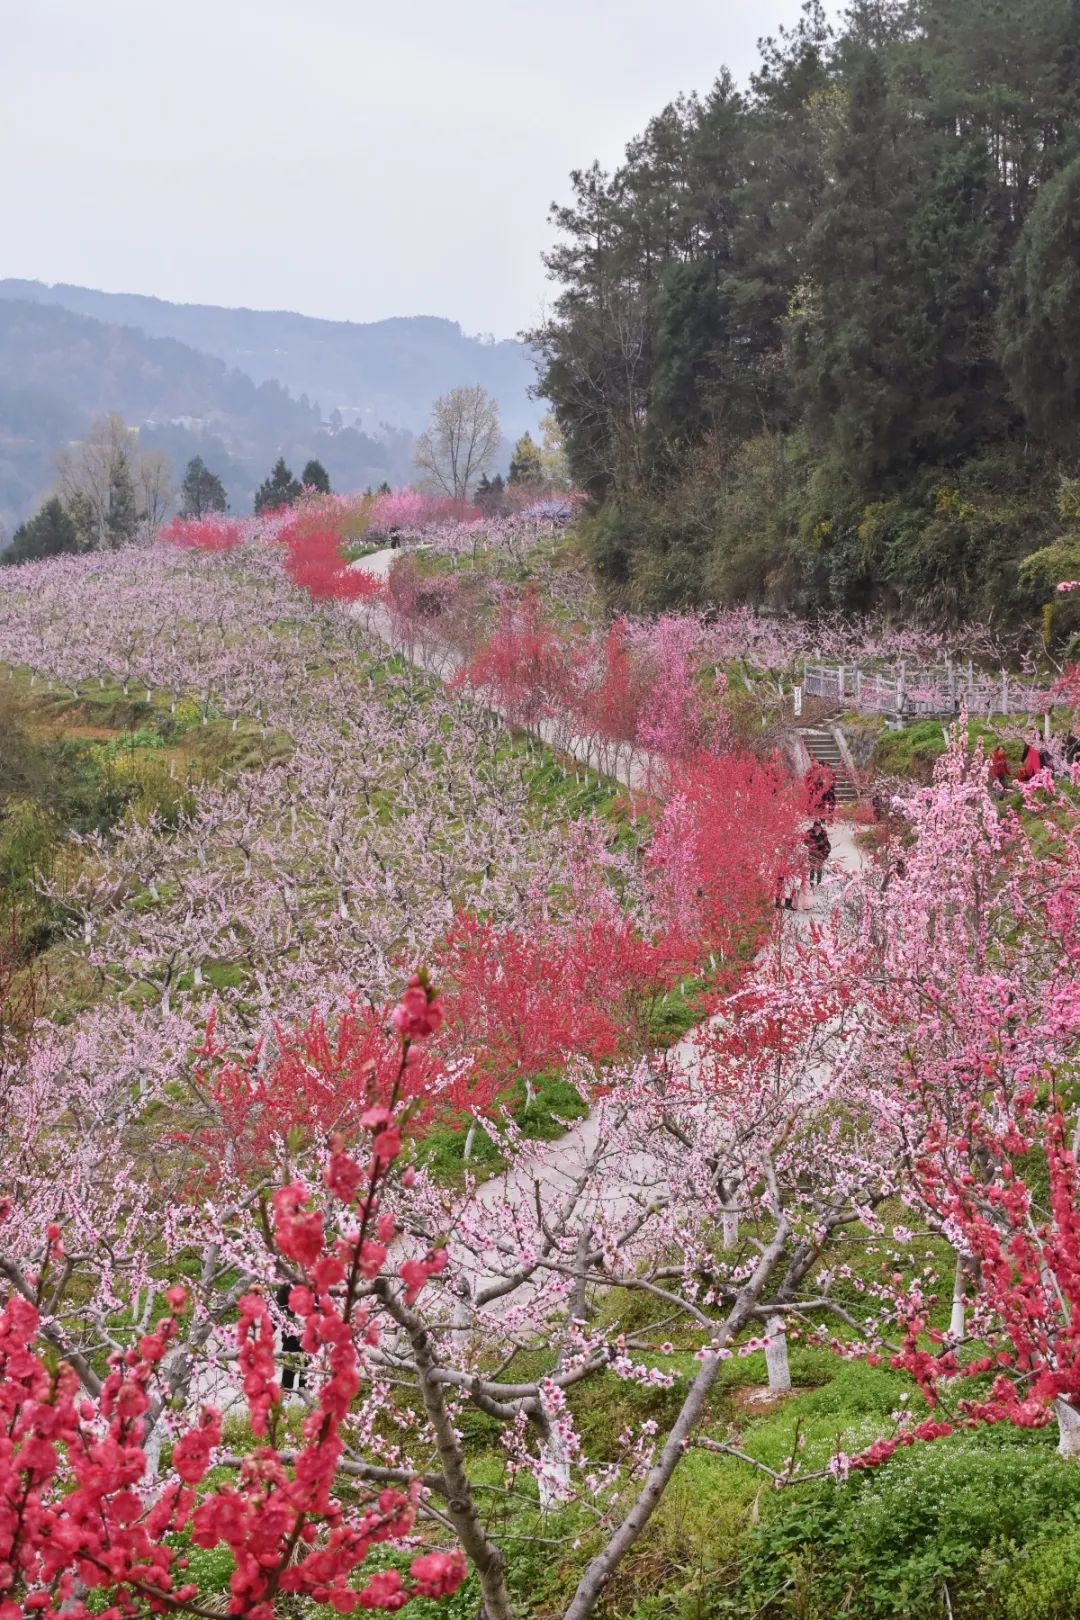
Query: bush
pixel 968 1513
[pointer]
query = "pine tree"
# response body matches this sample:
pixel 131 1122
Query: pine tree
pixel 1040 317
pixel 280 489
pixel 49 533
pixel 201 491
pixel 526 466
pixel 862 343
pixel 122 518
pixel 315 476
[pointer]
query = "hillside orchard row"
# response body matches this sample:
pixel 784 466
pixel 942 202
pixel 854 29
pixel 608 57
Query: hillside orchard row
pixel 898 1080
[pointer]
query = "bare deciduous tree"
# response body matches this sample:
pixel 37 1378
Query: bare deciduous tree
pixel 108 488
pixel 461 442
pixel 154 488
pixel 87 474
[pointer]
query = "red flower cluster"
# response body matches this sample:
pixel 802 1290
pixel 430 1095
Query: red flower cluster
pixel 202 534
pixel 314 561
pixel 72 1506
pixel 419 1013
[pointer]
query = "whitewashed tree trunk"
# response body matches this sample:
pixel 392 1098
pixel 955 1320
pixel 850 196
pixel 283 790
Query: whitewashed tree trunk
pixel 729 1226
pixel 555 1479
pixel 470 1138
pixel 958 1318
pixel 1068 1428
pixel 152 1452
pixel 776 1356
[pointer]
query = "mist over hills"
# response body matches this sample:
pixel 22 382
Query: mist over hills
pixel 236 386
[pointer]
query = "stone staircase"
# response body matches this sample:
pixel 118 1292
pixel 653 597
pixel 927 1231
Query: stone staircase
pixel 824 749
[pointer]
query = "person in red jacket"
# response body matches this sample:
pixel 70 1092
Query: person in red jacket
pixel 1032 761
pixel 999 770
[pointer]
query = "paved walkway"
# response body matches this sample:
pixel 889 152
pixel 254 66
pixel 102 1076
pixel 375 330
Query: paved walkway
pixel 553 1167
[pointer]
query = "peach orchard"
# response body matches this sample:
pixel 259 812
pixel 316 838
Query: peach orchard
pixel 192 1169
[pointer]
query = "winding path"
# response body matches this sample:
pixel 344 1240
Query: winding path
pixel 556 1164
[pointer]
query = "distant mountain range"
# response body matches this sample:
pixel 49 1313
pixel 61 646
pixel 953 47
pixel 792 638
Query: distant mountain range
pixel 236 386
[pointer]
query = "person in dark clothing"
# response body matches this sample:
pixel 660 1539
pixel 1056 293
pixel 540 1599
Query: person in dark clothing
pixel 1070 747
pixel 292 1371
pixel 820 848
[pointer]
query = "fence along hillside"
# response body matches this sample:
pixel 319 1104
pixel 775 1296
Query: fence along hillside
pixel 909 692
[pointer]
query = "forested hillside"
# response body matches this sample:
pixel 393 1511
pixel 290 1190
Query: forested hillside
pixel 372 372
pixel 816 343
pixel 59 370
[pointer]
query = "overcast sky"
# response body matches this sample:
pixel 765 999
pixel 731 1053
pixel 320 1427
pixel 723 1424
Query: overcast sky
pixel 347 158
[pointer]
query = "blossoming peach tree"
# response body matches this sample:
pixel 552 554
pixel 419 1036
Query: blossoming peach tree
pixel 412 1303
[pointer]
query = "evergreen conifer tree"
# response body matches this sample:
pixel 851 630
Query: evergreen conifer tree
pixel 315 476
pixel 122 517
pixel 280 489
pixel 526 466
pixel 49 533
pixel 1040 317
pixel 201 491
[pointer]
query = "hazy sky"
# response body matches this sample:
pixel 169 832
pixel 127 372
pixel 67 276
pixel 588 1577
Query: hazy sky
pixel 339 157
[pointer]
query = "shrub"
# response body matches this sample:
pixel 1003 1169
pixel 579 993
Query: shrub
pixel 969 1513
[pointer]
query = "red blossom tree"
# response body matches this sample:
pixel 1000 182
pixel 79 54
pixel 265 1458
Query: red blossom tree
pixel 75 1519
pixel 728 836
pixel 202 534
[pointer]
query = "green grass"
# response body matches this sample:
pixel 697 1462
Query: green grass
pixel 555 1104
pixel 913 751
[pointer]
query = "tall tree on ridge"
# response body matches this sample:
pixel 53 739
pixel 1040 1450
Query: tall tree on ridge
pixel 316 477
pixel 1040 316
pixel 461 442
pixel 202 491
pixel 49 533
pixel 280 489
pixel 95 482
pixel 526 466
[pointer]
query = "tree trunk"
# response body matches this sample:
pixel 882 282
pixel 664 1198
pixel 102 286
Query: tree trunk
pixel 554 1483
pixel 1068 1427
pixel 462 1320
pixel 729 1227
pixel 579 1299
pixel 470 1138
pixel 776 1356
pixel 608 1559
pixel 958 1318
pixel 461 1510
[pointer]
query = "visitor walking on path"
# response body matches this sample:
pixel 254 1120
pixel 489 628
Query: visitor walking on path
pixel 820 784
pixel 292 1368
pixel 820 848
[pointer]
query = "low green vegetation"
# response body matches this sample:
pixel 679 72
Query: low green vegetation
pixel 71 766
pixel 912 752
